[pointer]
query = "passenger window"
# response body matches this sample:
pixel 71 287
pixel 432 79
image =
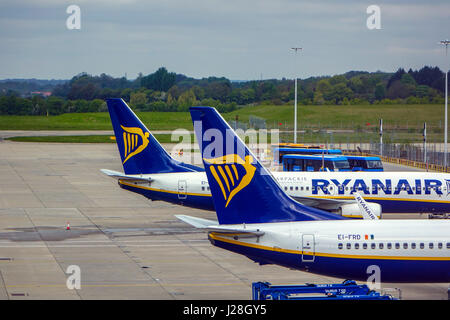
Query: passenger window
pixel 296 188
pixel 431 245
pixel 397 245
pixel 422 245
pixel 291 188
pixel 389 245
pixel 356 245
pixel 301 188
pixel 349 245
pixel 203 188
pixel 448 245
pixel 413 245
pixel 380 245
pixel 364 245
pixel 440 245
pixel 285 188
pixel 372 246
pixel 340 246
pixel 307 188
pixel 405 245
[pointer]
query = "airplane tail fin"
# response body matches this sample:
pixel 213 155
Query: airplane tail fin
pixel 243 190
pixel 140 152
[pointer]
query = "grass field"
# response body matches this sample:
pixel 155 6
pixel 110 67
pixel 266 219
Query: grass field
pixel 93 121
pixel 406 120
pixel 326 116
pixel 162 138
pixel 345 116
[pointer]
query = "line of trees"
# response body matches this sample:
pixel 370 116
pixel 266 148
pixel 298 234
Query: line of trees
pixel 37 105
pixel 168 91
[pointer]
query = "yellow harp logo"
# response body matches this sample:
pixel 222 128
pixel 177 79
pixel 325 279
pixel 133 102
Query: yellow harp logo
pixel 226 168
pixel 131 144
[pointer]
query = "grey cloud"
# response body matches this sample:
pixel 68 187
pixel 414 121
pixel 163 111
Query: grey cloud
pixel 236 39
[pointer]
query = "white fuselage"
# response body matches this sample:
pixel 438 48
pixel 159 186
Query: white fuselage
pixel 402 250
pixel 395 191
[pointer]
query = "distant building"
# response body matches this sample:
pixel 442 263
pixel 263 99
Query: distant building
pixel 44 94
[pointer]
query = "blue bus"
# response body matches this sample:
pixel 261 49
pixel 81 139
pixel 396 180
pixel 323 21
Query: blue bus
pixel 362 163
pixel 284 151
pixel 301 162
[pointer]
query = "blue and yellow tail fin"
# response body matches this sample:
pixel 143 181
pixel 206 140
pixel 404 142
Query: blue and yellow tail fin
pixel 140 152
pixel 243 190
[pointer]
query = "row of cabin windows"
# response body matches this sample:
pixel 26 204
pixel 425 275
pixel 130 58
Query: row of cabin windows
pixel 203 188
pixel 389 245
pixel 296 188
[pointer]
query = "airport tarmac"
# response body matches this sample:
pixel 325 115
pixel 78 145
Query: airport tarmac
pixel 126 246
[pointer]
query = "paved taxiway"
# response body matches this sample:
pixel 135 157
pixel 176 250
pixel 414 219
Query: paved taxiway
pixel 127 247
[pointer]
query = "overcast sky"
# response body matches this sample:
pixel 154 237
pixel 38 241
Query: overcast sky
pixel 237 39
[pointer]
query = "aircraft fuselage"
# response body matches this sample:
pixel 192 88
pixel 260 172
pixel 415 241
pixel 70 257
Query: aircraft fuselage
pixel 399 250
pixel 396 192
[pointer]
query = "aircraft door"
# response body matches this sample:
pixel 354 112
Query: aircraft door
pixel 308 249
pixel 182 189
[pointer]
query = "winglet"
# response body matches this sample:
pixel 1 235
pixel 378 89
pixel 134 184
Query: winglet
pixel 364 208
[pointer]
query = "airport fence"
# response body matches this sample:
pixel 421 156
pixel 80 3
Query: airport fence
pixel 402 141
pixel 433 158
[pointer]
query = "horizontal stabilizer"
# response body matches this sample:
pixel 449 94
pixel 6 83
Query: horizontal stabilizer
pixel 196 222
pixel 213 226
pixel 122 176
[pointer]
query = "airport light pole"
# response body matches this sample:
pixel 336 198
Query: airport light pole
pixel 446 43
pixel 381 137
pixel 425 144
pixel 295 101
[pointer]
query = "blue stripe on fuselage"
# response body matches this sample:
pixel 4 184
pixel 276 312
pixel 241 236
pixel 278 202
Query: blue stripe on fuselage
pixel 405 206
pixel 193 201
